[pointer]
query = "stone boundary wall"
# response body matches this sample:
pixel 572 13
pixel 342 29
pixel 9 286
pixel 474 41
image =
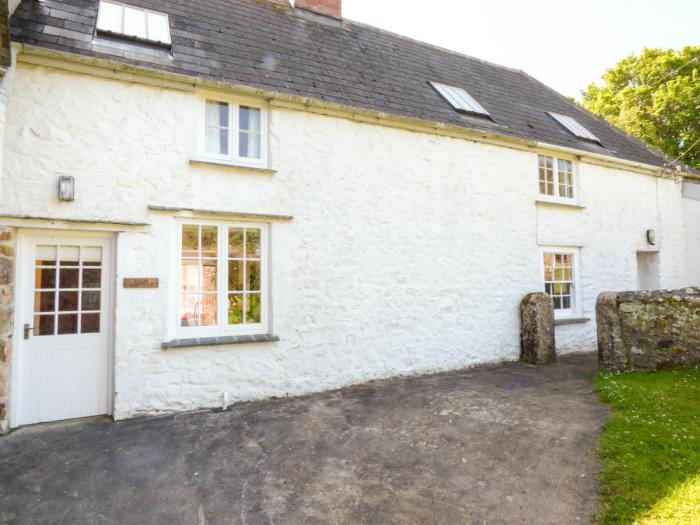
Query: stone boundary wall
pixel 7 295
pixel 653 330
pixel 537 344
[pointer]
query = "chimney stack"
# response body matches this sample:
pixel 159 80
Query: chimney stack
pixel 332 8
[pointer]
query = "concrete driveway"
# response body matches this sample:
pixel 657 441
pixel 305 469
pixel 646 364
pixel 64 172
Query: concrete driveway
pixel 505 444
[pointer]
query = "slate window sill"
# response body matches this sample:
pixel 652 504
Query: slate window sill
pixel 571 320
pixel 233 166
pixel 218 341
pixel 560 204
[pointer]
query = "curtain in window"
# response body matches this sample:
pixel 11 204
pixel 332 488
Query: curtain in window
pixel 216 135
pixel 249 133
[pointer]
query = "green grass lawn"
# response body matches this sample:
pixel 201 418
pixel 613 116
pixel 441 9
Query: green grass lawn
pixel 650 448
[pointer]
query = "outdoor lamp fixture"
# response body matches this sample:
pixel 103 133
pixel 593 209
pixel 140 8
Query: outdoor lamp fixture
pixel 66 188
pixel 651 237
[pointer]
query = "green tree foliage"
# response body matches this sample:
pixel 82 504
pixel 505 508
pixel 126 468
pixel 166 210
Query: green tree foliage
pixel 655 96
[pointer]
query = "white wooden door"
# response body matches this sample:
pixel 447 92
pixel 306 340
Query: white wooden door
pixel 64 328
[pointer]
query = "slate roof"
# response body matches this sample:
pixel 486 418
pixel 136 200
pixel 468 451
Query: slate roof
pixel 261 44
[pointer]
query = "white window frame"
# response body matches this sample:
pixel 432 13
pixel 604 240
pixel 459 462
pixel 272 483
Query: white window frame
pixel 576 309
pixel 136 8
pixel 222 328
pixel 557 197
pixel 233 157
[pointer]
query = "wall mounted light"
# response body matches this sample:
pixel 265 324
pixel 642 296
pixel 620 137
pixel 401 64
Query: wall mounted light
pixel 66 188
pixel 651 237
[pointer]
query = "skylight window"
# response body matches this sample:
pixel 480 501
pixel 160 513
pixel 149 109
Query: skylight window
pixel 121 19
pixel 459 99
pixel 574 127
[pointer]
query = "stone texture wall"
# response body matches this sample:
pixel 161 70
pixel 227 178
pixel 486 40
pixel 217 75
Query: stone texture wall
pixel 7 271
pixel 537 329
pixel 653 330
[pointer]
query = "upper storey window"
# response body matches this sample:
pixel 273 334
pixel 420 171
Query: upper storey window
pixel 135 22
pixel 460 99
pixel 234 132
pixel 557 179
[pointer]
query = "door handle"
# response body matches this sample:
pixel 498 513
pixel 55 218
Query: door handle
pixel 27 329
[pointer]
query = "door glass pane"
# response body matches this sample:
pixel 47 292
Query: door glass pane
pixel 46 255
pixel 69 255
pixel 59 290
pixel 45 301
pixel 68 301
pixel 90 301
pixel 67 324
pixel 45 278
pixel 90 323
pixel 43 324
pixel 92 277
pixel 68 277
pixel 92 255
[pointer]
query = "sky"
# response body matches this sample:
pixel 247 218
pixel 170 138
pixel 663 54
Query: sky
pixel 563 43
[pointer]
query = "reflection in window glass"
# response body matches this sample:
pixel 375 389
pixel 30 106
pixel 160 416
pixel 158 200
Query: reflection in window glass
pixel 199 275
pixel 221 279
pixel 559 279
pixel 244 275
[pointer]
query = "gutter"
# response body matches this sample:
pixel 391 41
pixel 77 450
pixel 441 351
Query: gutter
pixel 115 70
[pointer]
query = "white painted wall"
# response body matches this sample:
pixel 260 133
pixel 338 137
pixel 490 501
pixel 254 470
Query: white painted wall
pixel 691 213
pixel 407 253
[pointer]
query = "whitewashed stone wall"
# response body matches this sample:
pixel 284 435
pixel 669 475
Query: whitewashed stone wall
pixel 691 212
pixel 407 253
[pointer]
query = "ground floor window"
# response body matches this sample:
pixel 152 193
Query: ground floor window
pixel 560 279
pixel 222 278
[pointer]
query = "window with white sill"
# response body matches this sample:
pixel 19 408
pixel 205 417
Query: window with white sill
pixel 557 180
pixel 222 281
pixel 560 272
pixel 234 133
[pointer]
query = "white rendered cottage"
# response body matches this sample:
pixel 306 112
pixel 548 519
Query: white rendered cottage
pixel 209 202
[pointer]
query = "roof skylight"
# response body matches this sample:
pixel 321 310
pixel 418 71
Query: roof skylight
pixel 135 22
pixel 574 127
pixel 459 99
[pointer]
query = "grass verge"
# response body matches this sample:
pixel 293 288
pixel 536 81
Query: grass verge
pixel 650 448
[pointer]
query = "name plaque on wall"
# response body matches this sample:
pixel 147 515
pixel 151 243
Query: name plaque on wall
pixel 140 282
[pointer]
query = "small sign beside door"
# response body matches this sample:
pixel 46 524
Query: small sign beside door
pixel 140 282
